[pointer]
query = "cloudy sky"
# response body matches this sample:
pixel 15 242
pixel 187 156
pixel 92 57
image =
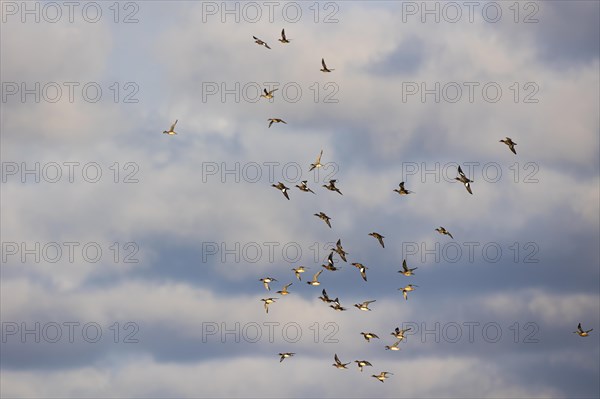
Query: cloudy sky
pixel 131 259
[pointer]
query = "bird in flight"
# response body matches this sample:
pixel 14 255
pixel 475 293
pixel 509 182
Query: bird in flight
pixel 362 269
pixel 260 42
pixel 171 130
pixel 405 270
pixel 362 363
pixel 317 163
pixel 340 250
pixel 325 69
pixel 324 217
pixel 330 265
pixel 303 187
pixel 364 306
pixel 401 190
pixel 442 230
pixel 464 179
pixel 281 187
pixel 338 364
pixel 581 332
pixel 325 297
pixel 315 279
pixel 266 281
pixel 298 270
pixel 399 334
pixel 379 238
pixel 337 305
pixel 275 120
pixel 267 302
pixel 393 347
pixel 284 290
pixel 368 336
pixel 407 289
pixel 331 186
pixel 382 376
pixel 268 94
pixel 283 38
pixel 511 144
pixel 285 355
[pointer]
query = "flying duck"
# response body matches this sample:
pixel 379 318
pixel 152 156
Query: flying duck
pixel 275 120
pixel 324 217
pixel 325 297
pixel 364 306
pixel 281 187
pixel 362 363
pixel 330 265
pixel 266 282
pixel 338 248
pixel 331 186
pixel 442 230
pixel 283 38
pixel 407 289
pixel 317 163
pixel 268 94
pixel 285 355
pixel 401 190
pixel 379 238
pixel 337 306
pixel 464 179
pixel 267 302
pixel 405 270
pixel 284 290
pixel 393 347
pixel 362 269
pixel 511 144
pixel 580 331
pixel 325 69
pixel 303 187
pixel 315 279
pixel 298 270
pixel 171 130
pixel 338 364
pixel 369 335
pixel 260 42
pixel 399 334
pixel 382 376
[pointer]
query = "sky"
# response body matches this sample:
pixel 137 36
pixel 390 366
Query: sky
pixel 131 259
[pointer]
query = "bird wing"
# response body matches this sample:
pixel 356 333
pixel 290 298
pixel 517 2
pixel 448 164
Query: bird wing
pixel 404 265
pixel 468 186
pixel 323 63
pixel 283 34
pixel 318 161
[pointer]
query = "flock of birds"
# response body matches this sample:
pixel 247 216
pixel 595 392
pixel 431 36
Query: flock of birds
pixel 398 334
